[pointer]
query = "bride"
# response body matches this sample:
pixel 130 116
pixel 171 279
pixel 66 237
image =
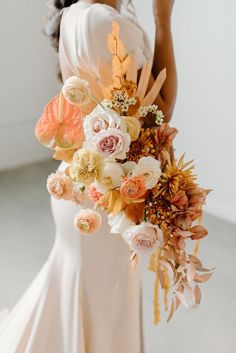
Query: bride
pixel 85 299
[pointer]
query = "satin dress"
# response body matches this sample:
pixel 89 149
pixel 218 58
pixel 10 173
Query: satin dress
pixel 86 298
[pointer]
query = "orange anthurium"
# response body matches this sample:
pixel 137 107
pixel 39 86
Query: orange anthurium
pixel 60 125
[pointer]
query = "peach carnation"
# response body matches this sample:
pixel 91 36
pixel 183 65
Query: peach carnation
pixel 87 221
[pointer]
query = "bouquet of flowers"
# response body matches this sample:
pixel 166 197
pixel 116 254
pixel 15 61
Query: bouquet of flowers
pixel 119 152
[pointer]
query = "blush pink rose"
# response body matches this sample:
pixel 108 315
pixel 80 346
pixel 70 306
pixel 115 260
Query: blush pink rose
pixel 87 221
pixel 144 238
pixel 111 143
pixel 59 186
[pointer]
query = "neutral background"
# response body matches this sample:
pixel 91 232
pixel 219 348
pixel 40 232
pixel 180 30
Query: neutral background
pixel 28 80
pixel 205 114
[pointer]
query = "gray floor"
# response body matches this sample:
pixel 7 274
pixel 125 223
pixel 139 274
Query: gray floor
pixel 26 236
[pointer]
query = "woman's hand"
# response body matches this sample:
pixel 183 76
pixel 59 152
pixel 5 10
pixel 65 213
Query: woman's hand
pixel 162 10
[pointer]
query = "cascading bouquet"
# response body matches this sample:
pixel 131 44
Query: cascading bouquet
pixel 120 155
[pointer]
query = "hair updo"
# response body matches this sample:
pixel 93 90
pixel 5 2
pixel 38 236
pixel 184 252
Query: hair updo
pixel 53 19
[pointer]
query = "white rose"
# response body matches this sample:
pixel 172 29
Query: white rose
pixel 119 222
pixel 110 177
pixel 76 91
pixel 128 167
pixel 149 168
pixel 102 119
pixel 111 143
pixel 144 238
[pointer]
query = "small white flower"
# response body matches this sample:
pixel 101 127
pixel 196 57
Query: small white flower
pixel 107 103
pixel 144 110
pixel 159 117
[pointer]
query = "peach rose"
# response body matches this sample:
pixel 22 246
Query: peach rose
pixel 87 221
pixel 144 238
pixel 59 186
pixel 133 188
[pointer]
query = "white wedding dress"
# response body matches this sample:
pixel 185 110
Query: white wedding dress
pixel 85 299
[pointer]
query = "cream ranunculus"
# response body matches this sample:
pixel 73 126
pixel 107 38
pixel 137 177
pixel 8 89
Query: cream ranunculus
pixel 110 178
pixel 133 127
pixel 102 119
pixel 76 91
pixel 149 168
pixel 119 222
pixel 144 238
pixel 111 143
pixel 86 166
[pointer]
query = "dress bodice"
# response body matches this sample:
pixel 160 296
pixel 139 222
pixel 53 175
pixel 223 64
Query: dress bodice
pixel 83 37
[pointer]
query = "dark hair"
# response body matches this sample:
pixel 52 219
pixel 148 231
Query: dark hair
pixel 53 20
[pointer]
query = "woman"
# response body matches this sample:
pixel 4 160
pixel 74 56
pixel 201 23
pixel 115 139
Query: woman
pixel 85 299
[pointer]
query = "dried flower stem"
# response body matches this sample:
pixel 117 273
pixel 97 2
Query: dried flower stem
pixel 94 99
pixel 157 316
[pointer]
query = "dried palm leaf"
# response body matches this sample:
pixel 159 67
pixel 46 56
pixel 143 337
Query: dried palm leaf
pixel 132 72
pixel 144 79
pixel 155 90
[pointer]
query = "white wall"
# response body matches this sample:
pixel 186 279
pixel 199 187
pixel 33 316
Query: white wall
pixel 27 80
pixel 205 114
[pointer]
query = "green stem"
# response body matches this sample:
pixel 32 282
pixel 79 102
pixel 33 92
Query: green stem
pixel 96 101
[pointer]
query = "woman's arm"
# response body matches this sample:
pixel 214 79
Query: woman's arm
pixel 164 57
